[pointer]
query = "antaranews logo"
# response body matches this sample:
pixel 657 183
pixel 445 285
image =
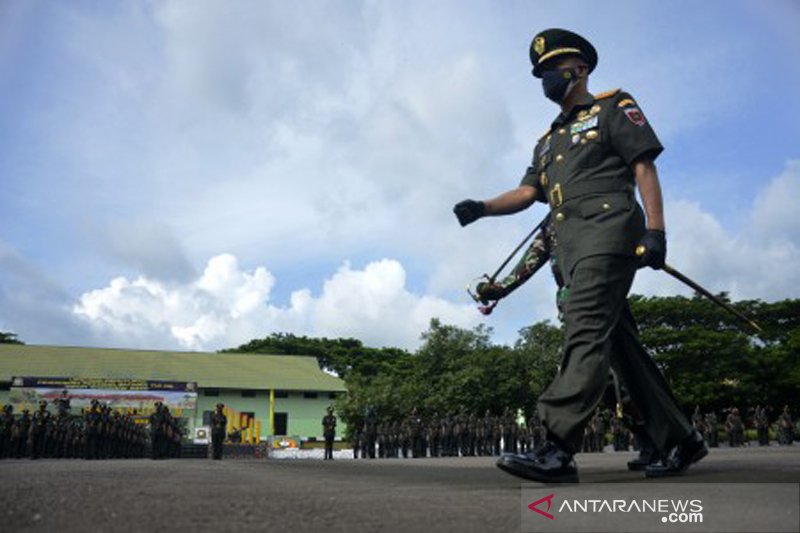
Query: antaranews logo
pixel 672 511
pixel 549 500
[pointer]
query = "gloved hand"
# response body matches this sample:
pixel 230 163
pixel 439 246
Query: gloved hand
pixel 652 249
pixel 468 211
pixel 488 292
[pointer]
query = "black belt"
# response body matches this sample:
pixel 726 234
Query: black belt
pixel 559 196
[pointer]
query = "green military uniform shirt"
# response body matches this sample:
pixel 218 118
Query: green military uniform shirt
pixel 582 166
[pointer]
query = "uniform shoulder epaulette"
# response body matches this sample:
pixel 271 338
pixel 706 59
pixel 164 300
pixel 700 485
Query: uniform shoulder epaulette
pixel 545 134
pixel 607 94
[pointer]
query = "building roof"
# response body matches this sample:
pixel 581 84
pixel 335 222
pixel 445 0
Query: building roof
pixel 208 370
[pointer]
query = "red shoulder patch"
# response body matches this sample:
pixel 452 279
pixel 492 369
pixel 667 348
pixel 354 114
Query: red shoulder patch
pixel 635 115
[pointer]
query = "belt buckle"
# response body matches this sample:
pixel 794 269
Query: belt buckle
pixel 555 196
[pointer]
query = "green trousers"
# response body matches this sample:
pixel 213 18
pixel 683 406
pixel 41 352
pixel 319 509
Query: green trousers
pixel 601 331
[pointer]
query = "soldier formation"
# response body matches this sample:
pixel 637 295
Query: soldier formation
pixel 100 432
pixel 735 426
pixel 103 433
pixel 595 434
pixel 467 434
pixel 451 435
pixel 165 434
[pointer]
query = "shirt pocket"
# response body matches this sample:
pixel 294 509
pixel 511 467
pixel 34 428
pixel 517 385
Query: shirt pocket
pixel 587 148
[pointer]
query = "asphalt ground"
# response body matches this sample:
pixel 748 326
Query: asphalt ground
pixel 441 494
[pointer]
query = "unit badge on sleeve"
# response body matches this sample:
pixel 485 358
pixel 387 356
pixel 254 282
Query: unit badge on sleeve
pixel 635 116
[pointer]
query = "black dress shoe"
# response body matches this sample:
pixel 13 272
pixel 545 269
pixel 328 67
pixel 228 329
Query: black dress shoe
pixel 549 464
pixel 647 456
pixel 689 451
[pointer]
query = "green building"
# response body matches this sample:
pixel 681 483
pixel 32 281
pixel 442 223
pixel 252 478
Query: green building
pixel 282 394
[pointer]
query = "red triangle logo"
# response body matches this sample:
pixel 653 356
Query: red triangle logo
pixel 549 500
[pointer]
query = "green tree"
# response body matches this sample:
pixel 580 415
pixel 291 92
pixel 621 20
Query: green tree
pixel 342 356
pixel 540 346
pixel 711 359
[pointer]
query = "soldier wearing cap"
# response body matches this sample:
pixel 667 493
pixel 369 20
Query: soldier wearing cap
pixel 586 166
pixel 92 422
pixel 219 424
pixel 157 421
pixel 329 432
pixel 39 430
pixel 6 428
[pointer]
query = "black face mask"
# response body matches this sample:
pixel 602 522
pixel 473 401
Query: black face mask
pixel 556 82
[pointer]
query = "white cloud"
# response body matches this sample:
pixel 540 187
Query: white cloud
pixel 776 215
pixel 759 262
pixel 227 306
pixel 192 315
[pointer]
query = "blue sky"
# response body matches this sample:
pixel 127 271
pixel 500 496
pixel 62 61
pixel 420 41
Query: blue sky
pixel 188 176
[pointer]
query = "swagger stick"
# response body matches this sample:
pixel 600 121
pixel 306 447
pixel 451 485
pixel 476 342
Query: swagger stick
pixel 699 288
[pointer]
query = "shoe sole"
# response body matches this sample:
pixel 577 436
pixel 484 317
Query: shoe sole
pixel 541 479
pixel 702 452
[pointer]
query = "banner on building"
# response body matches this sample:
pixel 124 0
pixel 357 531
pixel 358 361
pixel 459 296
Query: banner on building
pixel 103 383
pixel 120 394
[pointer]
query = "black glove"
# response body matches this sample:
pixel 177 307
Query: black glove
pixel 469 211
pixel 652 249
pixel 488 292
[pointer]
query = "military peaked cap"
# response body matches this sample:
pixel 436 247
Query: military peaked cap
pixel 556 42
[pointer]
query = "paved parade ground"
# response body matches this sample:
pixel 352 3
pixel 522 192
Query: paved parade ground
pixel 443 494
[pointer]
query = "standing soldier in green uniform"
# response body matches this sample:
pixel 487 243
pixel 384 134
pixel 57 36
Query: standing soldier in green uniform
pixel 329 432
pixel 383 439
pixel 587 166
pixel 509 444
pixel 39 430
pixel 762 425
pixel 156 420
pixel 396 438
pixel 786 427
pixel 6 430
pixel 711 425
pixel 219 424
pixel 91 430
pixel 370 431
pixel 20 433
pixel 534 427
pixel 734 427
pixel 698 422
pixel 488 433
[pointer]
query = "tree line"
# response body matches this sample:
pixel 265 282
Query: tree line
pixel 707 356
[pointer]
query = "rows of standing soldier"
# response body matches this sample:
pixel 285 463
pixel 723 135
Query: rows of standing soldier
pixel 708 424
pixel 98 434
pixel 109 434
pixel 165 433
pixel 595 433
pixel 450 435
pixel 735 426
pixel 469 435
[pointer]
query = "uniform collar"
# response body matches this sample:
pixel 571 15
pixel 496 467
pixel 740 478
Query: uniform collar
pixel 584 103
